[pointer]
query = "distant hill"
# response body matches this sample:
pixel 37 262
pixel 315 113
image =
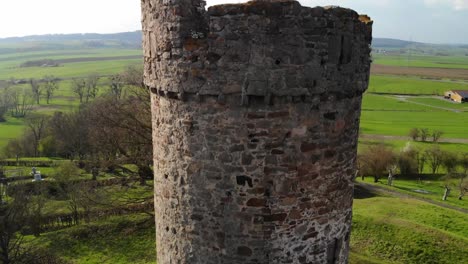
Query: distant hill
pixel 133 40
pixel 125 37
pixel 392 43
pixel 126 40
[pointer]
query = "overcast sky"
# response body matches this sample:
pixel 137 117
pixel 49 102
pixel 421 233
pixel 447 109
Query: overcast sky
pixel 435 21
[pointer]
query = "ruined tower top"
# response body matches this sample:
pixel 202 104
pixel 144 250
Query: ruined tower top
pixel 257 48
pixel 256 112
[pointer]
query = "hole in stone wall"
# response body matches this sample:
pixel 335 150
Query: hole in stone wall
pixel 341 50
pixel 166 176
pixel 256 99
pixel 243 180
pixel 330 116
pixel 331 249
pixel 277 61
pixel 323 61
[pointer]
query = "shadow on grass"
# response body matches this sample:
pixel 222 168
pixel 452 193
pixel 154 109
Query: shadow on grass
pixel 363 193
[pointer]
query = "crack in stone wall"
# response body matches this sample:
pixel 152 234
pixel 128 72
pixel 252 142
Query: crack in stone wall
pixel 255 121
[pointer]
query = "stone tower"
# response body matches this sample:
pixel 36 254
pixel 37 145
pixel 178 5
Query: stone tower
pixel 256 112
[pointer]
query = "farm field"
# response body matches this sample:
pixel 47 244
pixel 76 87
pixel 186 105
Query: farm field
pixel 388 115
pixel 422 61
pixel 390 84
pixel 74 63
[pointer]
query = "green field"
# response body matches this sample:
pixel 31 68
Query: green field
pixel 10 63
pixel 412 85
pixel 64 99
pixel 400 230
pixel 10 129
pixel 405 60
pixel 386 115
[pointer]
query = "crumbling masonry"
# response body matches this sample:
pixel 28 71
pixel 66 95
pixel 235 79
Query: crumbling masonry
pixel 256 112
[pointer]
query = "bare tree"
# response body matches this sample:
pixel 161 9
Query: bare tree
pixel 50 86
pixel 79 88
pixel 36 204
pixel 449 161
pixel 421 159
pixel 70 131
pixel 414 134
pixel 424 132
pixel 122 133
pixel 436 135
pixel 408 161
pixel 133 75
pixel 36 89
pixel 36 126
pixel 13 216
pixel 434 157
pixel 116 86
pixel 5 102
pixel 376 160
pixel 120 129
pixel 463 185
pixel 22 102
pixel 92 88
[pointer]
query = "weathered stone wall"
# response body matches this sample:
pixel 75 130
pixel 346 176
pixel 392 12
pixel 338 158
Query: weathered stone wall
pixel 256 113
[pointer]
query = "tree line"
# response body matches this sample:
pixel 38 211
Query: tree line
pixel 20 101
pixel 104 133
pixel 380 160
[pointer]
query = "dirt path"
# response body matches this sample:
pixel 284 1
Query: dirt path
pixel 403 99
pixel 377 189
pixel 405 138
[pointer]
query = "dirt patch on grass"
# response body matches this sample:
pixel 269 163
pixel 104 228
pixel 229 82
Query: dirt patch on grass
pixel 434 73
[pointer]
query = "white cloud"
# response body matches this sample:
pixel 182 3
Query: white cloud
pixel 455 4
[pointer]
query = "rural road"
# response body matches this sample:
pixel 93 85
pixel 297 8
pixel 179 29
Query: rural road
pixel 405 138
pixel 403 98
pixel 377 189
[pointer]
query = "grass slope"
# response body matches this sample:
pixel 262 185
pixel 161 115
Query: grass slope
pixel 118 240
pixel 396 230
